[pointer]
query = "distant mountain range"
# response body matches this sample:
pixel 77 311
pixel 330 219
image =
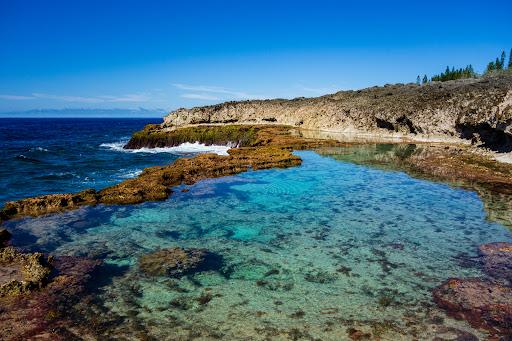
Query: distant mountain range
pixel 141 112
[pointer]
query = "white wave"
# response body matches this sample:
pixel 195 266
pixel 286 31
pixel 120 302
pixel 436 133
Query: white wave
pixel 130 174
pixel 38 149
pixel 184 148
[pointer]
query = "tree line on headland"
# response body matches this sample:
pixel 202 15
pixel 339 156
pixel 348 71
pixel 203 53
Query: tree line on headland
pixel 497 65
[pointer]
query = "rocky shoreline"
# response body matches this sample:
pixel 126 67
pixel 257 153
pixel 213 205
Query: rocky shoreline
pixel 477 111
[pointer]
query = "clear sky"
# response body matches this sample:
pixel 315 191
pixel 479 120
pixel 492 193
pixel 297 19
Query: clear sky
pixel 170 54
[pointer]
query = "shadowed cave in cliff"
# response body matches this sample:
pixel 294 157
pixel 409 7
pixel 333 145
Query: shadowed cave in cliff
pixel 492 138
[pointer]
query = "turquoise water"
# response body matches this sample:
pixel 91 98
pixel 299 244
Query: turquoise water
pixel 309 252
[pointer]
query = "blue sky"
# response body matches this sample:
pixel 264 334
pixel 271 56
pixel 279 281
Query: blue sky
pixel 170 54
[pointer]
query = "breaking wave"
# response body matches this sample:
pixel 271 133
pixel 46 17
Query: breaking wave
pixel 184 148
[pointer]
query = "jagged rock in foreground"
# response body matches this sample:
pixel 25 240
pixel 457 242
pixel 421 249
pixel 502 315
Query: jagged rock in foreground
pixel 474 109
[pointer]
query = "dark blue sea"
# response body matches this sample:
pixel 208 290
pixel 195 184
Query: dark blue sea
pixel 52 155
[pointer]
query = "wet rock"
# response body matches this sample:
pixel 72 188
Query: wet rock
pixel 48 313
pixel 45 204
pixel 5 236
pixel 483 304
pixel 22 272
pixel 497 260
pixel 177 262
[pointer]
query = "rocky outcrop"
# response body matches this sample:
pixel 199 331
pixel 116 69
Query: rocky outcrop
pixel 48 204
pixel 479 110
pixel 22 272
pixel 152 136
pixel 177 262
pixel 497 261
pixel 482 303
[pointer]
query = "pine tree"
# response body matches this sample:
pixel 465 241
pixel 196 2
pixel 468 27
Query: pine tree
pixel 498 65
pixel 490 67
pixel 502 59
pixel 425 79
pixel 418 80
pixel 510 60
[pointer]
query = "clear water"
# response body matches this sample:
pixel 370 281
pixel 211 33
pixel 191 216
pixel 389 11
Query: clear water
pixel 309 252
pixel 45 156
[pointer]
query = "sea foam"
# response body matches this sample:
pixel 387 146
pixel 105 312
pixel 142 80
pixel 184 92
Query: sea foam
pixel 184 148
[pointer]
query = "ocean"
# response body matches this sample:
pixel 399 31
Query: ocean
pixel 62 155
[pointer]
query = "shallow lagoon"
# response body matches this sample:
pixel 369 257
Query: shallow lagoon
pixel 309 252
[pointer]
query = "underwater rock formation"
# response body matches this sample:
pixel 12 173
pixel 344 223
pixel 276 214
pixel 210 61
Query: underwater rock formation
pixel 482 303
pixel 177 262
pixel 497 260
pixel 22 272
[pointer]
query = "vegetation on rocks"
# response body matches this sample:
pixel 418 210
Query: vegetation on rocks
pixel 451 74
pixel 152 137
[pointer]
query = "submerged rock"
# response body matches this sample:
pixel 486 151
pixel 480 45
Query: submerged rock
pixel 177 262
pixel 22 272
pixel 497 260
pixel 482 303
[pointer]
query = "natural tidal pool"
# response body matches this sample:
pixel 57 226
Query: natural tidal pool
pixel 307 254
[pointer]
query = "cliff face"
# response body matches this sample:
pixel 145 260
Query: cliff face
pixel 473 109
